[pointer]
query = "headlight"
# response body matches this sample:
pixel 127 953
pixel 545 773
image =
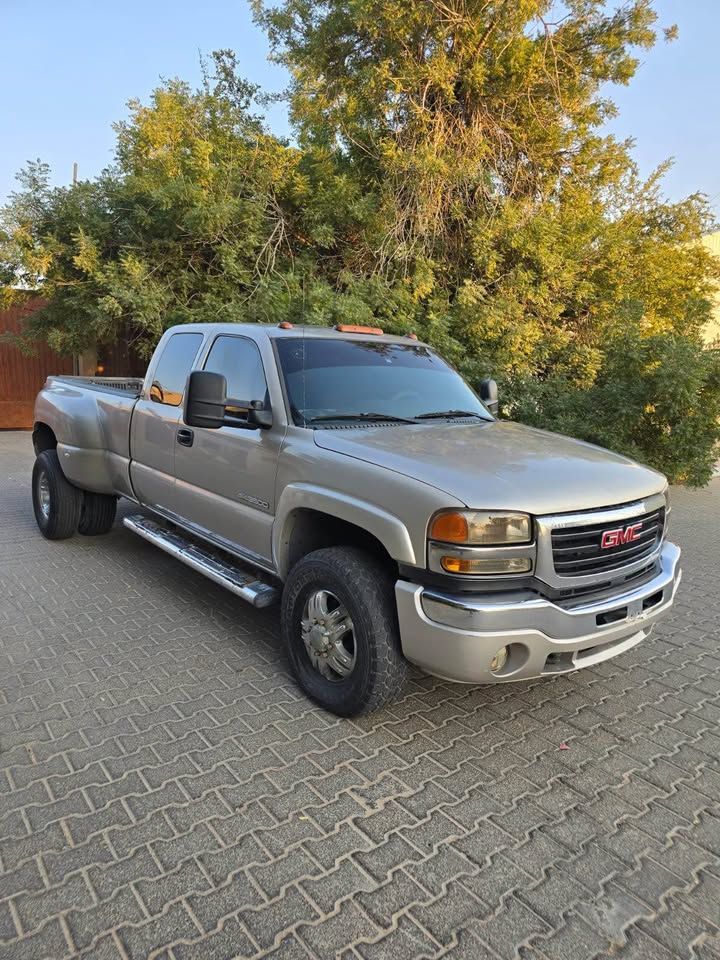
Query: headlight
pixel 481 527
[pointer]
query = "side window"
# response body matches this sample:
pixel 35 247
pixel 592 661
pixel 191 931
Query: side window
pixel 173 369
pixel 238 359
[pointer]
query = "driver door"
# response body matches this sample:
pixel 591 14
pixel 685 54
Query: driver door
pixel 225 478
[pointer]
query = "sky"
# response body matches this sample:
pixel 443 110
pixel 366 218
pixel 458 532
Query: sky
pixel 68 69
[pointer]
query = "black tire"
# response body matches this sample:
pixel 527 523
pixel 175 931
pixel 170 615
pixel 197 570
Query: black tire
pixel 97 515
pixel 56 502
pixel 365 589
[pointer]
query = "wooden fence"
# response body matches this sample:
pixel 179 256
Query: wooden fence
pixel 22 376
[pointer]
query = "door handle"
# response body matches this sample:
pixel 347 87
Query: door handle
pixel 185 437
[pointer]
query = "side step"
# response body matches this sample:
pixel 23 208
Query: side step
pixel 223 570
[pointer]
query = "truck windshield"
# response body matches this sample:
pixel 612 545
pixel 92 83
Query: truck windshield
pixel 362 380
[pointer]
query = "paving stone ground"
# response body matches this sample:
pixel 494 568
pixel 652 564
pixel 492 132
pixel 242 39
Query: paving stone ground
pixel 167 792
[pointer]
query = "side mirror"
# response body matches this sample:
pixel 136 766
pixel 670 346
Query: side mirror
pixel 259 415
pixel 489 395
pixel 205 397
pixel 248 416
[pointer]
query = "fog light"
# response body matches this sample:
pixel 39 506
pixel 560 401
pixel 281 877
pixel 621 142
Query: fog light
pixel 499 660
pixel 486 565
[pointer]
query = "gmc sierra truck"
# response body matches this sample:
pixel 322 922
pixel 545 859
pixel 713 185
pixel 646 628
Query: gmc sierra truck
pixel 356 478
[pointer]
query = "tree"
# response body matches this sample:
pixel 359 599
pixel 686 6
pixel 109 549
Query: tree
pixel 450 177
pixel 184 227
pixel 526 241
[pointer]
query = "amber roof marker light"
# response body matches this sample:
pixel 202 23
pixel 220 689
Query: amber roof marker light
pixel 357 328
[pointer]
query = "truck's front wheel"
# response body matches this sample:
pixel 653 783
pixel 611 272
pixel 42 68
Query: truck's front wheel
pixel 339 627
pixel 56 502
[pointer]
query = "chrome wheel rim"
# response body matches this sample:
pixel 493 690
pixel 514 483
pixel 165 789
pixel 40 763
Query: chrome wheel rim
pixel 328 635
pixel 44 495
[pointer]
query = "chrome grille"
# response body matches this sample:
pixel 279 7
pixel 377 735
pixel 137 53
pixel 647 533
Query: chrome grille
pixel 577 551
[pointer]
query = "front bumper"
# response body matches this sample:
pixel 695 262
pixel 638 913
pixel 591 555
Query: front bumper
pixel 455 636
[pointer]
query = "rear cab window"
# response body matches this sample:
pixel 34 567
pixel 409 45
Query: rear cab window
pixel 174 368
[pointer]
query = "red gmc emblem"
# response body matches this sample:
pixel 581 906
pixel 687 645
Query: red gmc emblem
pixel 615 538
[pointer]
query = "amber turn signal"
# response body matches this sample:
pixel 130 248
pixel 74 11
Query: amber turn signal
pixel 450 527
pixel 486 565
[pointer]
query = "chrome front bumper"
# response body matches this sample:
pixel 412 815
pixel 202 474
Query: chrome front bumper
pixel 456 637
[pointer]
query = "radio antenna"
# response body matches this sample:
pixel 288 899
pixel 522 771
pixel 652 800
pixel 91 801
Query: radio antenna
pixel 304 406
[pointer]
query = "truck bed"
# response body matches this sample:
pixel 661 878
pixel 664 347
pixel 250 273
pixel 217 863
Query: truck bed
pixel 90 418
pixel 126 386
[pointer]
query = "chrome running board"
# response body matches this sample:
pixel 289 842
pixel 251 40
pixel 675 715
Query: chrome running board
pixel 222 570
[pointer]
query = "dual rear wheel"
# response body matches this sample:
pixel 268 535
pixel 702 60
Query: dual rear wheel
pixel 61 509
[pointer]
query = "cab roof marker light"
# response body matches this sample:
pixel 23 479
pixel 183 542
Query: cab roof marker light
pixel 357 328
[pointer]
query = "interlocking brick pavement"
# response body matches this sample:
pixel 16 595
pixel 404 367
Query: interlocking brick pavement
pixel 166 791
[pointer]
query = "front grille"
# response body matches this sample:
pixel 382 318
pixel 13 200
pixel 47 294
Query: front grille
pixel 577 551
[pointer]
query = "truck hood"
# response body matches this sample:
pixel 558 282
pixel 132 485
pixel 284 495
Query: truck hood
pixel 500 465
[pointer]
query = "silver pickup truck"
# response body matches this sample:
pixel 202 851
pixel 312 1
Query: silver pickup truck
pixel 357 478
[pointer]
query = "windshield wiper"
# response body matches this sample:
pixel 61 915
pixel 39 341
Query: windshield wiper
pixel 386 417
pixel 444 414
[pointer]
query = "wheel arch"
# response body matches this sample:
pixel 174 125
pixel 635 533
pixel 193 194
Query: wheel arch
pixel 43 437
pixel 310 518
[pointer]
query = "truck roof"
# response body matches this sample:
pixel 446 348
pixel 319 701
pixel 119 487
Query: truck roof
pixel 274 330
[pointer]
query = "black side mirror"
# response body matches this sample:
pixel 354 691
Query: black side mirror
pixel 259 415
pixel 489 395
pixel 205 398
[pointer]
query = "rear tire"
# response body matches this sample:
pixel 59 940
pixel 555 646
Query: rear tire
pixel 56 502
pixel 97 515
pixel 363 592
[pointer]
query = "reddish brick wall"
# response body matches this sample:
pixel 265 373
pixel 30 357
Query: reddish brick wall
pixel 21 377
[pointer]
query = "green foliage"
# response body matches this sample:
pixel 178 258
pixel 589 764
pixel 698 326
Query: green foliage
pixel 182 228
pixel 450 178
pixel 655 398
